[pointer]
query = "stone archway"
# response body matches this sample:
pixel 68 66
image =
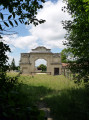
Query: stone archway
pixel 41 62
pixel 27 61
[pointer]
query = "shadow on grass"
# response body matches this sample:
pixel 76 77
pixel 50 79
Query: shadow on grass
pixel 70 104
pixel 35 93
pixel 19 103
pixel 67 104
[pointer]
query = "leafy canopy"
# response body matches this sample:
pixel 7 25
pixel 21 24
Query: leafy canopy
pixel 3 57
pixel 78 35
pixel 42 67
pixel 13 66
pixel 23 11
pixel 66 55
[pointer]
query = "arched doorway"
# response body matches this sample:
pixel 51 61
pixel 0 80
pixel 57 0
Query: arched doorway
pixel 40 65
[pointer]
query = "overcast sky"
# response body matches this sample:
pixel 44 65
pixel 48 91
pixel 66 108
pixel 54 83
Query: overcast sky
pixel 50 34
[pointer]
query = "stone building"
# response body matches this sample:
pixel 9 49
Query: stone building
pixel 27 61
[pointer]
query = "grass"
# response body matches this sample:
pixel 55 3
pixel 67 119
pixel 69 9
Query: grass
pixel 67 100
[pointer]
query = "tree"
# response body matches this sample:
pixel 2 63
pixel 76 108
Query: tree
pixel 66 56
pixel 63 56
pixel 3 57
pixel 42 67
pixel 3 60
pixel 23 11
pixel 17 11
pixel 78 35
pixel 13 66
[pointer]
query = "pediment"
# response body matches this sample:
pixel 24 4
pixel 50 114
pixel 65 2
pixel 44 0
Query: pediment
pixel 41 49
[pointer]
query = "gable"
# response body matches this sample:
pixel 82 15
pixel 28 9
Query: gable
pixel 41 49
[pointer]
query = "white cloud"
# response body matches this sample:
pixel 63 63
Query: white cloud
pixel 50 34
pixel 27 42
pixel 40 61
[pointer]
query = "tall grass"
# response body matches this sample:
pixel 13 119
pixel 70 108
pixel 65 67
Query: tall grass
pixel 67 100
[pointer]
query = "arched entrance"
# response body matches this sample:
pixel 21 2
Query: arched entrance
pixel 40 65
pixel 27 61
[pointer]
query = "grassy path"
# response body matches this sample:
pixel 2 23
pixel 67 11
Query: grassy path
pixel 40 87
pixel 67 101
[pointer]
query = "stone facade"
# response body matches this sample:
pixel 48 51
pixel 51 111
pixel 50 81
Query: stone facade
pixel 27 61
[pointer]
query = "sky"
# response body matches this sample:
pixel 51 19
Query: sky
pixel 49 34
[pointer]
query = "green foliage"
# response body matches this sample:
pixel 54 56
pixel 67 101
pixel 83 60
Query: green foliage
pixel 65 99
pixel 66 55
pixel 15 104
pixel 42 67
pixel 63 56
pixel 78 36
pixel 86 6
pixel 3 57
pixel 3 60
pixel 13 66
pixel 69 104
pixel 19 11
pixel 11 104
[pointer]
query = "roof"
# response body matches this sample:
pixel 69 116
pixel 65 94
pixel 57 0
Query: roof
pixel 64 64
pixel 41 49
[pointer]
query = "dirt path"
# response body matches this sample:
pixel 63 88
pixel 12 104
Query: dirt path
pixel 43 106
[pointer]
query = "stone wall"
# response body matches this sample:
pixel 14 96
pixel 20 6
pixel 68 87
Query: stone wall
pixel 27 61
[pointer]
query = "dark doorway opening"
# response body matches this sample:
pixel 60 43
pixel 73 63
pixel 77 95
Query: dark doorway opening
pixel 56 71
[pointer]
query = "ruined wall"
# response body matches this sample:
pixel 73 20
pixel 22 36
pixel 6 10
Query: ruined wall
pixel 27 62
